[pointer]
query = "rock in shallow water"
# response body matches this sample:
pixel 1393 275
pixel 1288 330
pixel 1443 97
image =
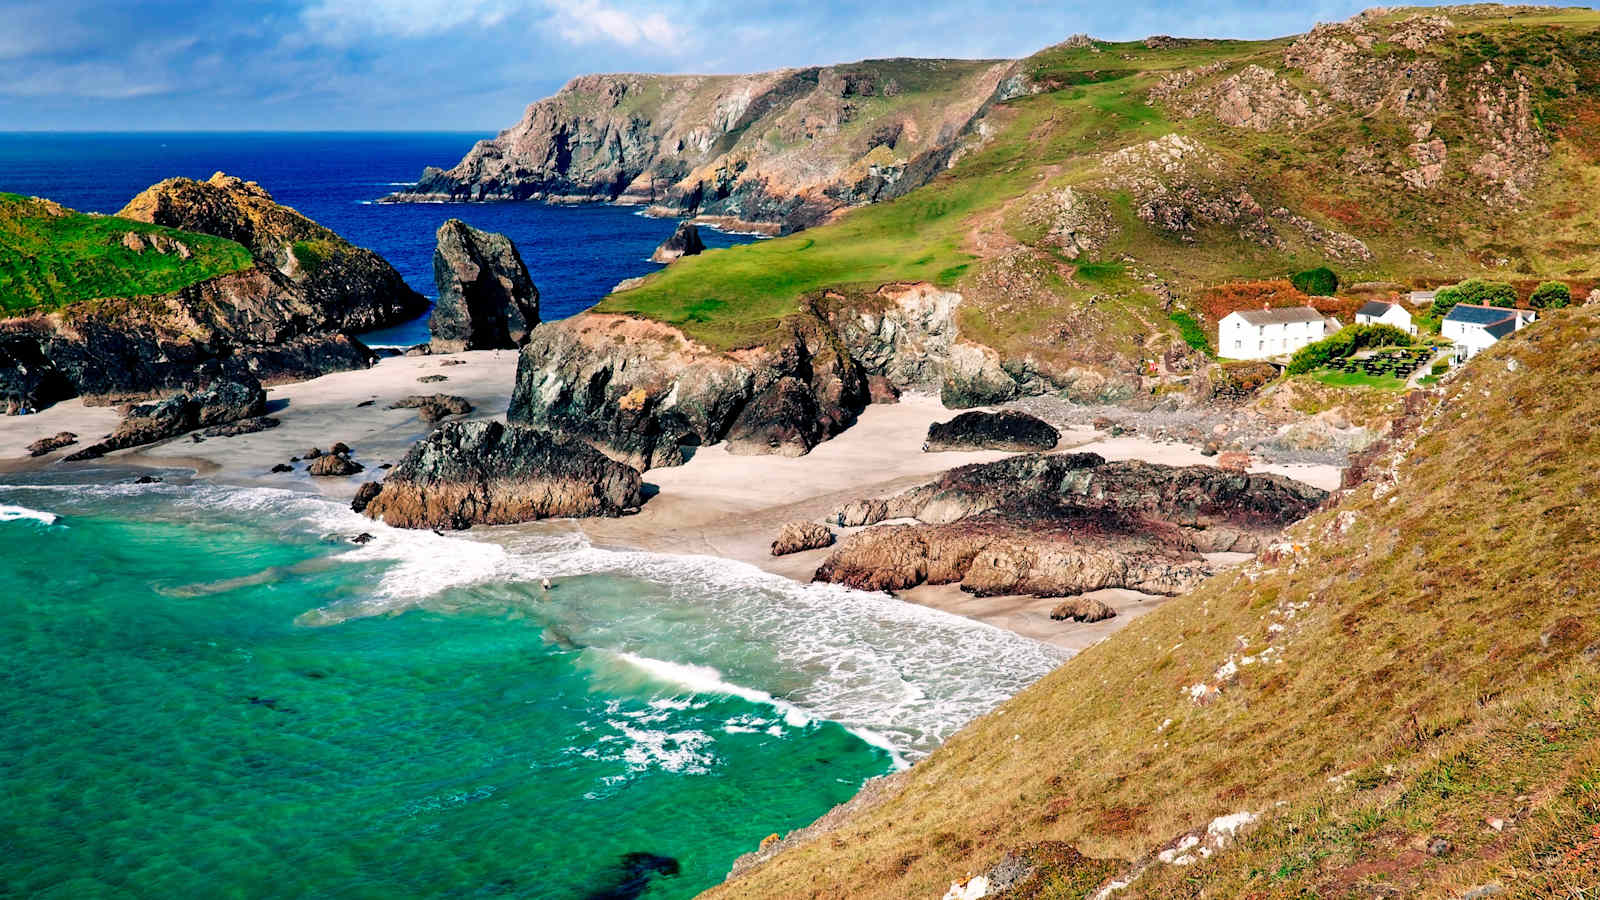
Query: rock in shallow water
pixel 795 537
pixel 1006 430
pixel 486 473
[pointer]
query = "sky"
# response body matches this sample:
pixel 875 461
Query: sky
pixel 473 65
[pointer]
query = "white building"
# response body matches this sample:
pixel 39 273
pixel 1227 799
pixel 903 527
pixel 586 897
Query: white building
pixel 1475 329
pixel 1261 333
pixel 1379 313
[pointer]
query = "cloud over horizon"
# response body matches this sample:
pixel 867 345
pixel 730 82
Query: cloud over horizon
pixel 474 65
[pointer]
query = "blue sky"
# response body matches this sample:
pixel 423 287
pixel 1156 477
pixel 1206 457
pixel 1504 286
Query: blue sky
pixel 473 65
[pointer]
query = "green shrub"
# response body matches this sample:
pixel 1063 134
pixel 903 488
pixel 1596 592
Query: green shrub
pixel 1550 295
pixel 1346 342
pixel 1318 282
pixel 1193 334
pixel 1476 292
pixel 1440 367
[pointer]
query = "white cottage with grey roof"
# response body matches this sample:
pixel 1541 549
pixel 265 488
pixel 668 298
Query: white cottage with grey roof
pixel 1377 312
pixel 1475 328
pixel 1263 333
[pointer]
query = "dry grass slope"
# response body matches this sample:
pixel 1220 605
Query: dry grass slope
pixel 1420 661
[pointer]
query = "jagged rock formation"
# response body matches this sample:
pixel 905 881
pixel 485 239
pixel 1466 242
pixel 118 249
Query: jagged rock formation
pixel 795 537
pixel 1017 432
pixel 641 391
pixel 52 443
pixel 353 289
pixel 232 398
pixel 685 241
pixel 1063 525
pixel 486 473
pixel 487 300
pixel 785 147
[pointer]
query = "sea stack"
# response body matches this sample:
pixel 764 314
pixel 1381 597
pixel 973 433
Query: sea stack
pixel 684 242
pixel 487 300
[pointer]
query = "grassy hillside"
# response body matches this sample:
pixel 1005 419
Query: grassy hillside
pixel 1403 692
pixel 51 256
pixel 1068 225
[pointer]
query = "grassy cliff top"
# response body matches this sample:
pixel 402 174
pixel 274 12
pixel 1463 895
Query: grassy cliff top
pixel 51 256
pixel 1129 169
pixel 1417 664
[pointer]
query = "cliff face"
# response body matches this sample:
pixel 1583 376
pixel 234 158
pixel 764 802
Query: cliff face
pixel 352 288
pixel 786 147
pixel 287 293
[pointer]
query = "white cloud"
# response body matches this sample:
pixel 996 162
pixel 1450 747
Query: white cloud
pixel 573 21
pixel 590 21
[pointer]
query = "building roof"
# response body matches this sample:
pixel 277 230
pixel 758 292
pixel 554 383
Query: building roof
pixel 1502 328
pixel 1470 314
pixel 1375 308
pixel 1279 316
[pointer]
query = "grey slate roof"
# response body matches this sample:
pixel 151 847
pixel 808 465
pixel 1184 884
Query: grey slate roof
pixel 1280 316
pixel 1481 315
pixel 1502 328
pixel 1374 308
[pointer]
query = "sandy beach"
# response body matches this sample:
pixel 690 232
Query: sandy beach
pixel 717 504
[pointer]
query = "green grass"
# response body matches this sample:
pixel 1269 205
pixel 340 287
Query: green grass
pixel 1193 334
pixel 1358 379
pixel 51 257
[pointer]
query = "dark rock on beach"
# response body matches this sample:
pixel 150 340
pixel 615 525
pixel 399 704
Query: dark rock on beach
pixel 333 466
pixel 243 426
pixel 685 241
pixel 1063 525
pixel 796 537
pixel 1006 430
pixel 1083 609
pixel 470 473
pixel 432 408
pixel 487 300
pixel 53 443
pixel 217 407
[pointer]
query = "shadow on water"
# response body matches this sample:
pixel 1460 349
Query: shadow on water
pixel 632 876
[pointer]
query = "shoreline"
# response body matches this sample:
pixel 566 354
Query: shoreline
pixel 717 504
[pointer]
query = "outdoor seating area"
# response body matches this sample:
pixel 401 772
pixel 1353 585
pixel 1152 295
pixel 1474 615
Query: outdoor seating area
pixel 1393 363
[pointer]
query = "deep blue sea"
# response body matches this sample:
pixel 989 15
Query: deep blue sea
pixel 209 691
pixel 576 254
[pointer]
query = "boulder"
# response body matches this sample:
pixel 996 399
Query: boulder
pixel 1006 430
pixel 364 495
pixel 53 443
pixel 280 468
pixel 432 408
pixel 333 466
pixel 240 397
pixel 862 512
pixel 795 537
pixel 433 379
pixel 1083 609
pixel 487 300
pixel 243 426
pixel 685 241
pixel 471 473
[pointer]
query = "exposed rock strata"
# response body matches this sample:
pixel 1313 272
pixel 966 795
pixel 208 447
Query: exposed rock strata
pixel 787 147
pixel 1065 524
pixel 486 473
pixel 1016 432
pixel 487 300
pixel 685 241
pixel 353 289
pixel 641 391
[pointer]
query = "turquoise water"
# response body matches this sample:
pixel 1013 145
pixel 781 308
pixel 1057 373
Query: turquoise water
pixel 209 691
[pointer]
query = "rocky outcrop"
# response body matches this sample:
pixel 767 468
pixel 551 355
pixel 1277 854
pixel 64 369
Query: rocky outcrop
pixel 796 537
pixel 685 241
pixel 334 465
pixel 229 400
pixel 432 408
pixel 487 300
pixel 52 443
pixel 486 473
pixel 641 390
pixel 352 288
pixel 1083 609
pixel 1066 524
pixel 787 147
pixel 862 512
pixel 1008 430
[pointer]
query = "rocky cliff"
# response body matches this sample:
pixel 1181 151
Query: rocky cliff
pixel 353 289
pixel 487 300
pixel 787 147
pixel 279 309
